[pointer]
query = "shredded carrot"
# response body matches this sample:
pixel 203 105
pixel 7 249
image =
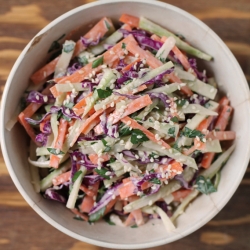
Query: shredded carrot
pixel 108 58
pixel 137 214
pixel 223 118
pixel 183 59
pixel 62 131
pixel 87 204
pixel 132 107
pixel 129 66
pixel 94 158
pixel 130 20
pixel 87 191
pixel 64 177
pixel 151 61
pixel 222 135
pixel 40 75
pixel 207 160
pixel 130 221
pixel 181 194
pixel 83 216
pixel 30 131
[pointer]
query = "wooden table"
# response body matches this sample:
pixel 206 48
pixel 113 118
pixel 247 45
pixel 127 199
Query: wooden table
pixel 20 227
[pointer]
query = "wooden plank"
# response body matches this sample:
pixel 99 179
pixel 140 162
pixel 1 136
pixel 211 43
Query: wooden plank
pixel 20 21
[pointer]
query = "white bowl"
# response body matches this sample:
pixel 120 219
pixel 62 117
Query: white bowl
pixel 226 71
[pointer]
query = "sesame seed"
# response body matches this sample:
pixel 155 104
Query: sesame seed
pixel 157 137
pixel 45 98
pixel 104 66
pixel 150 203
pixel 80 71
pixel 111 52
pixel 137 55
pixel 164 161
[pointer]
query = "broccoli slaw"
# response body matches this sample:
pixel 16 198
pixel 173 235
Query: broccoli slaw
pixel 124 126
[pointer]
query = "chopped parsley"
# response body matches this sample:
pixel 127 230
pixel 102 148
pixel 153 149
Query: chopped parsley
pixel 102 172
pixel 192 133
pixel 83 60
pixel 106 219
pixel 171 132
pixel 204 185
pixel 174 119
pixel 180 103
pixel 76 175
pixel 138 136
pixel 55 44
pixel 107 148
pixel 104 93
pixel 97 215
pixel 125 131
pixel 55 151
pixel 155 181
pixel 68 47
pixel 97 62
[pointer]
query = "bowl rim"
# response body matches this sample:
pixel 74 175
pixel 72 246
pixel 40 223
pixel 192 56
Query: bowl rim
pixel 35 206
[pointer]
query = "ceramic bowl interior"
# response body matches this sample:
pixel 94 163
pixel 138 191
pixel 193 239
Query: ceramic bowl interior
pixel 227 73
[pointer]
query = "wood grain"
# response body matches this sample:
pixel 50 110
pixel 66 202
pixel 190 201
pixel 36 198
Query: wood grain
pixel 20 227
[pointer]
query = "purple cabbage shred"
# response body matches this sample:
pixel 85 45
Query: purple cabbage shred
pixel 37 97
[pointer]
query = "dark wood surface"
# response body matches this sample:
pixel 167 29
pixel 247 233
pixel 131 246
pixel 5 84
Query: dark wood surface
pixel 20 227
